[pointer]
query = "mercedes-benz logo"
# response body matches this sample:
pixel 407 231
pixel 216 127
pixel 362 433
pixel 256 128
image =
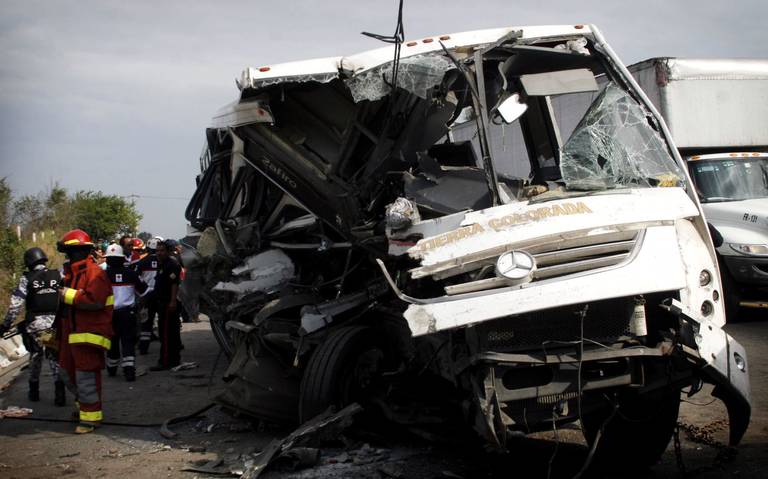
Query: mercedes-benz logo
pixel 516 266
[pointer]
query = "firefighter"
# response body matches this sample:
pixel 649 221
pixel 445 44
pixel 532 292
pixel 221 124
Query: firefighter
pixel 38 291
pixel 147 269
pixel 169 326
pixel 85 327
pixel 137 251
pixel 125 285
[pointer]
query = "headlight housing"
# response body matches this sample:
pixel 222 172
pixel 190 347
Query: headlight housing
pixel 750 249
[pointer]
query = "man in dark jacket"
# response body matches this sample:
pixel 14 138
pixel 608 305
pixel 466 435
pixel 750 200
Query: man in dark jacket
pixel 38 292
pixel 166 288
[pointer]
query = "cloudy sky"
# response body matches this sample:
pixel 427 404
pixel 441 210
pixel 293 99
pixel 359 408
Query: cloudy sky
pixel 115 96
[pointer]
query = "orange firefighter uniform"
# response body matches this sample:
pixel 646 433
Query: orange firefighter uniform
pixel 85 331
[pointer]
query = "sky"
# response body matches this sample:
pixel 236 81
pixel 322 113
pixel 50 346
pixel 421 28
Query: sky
pixel 115 96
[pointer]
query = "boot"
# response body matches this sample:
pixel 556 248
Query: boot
pixel 112 371
pixel 60 396
pixel 130 373
pixel 34 391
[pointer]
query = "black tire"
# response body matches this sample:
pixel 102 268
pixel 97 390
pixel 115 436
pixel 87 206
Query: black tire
pixel 336 373
pixel 638 433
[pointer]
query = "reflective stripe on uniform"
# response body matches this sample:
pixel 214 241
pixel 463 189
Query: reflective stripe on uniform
pixel 90 338
pixel 69 295
pixel 91 416
pixel 110 300
pixel 112 362
pixel 128 361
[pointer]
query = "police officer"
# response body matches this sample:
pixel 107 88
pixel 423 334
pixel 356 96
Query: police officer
pixel 38 290
pixel 169 325
pixel 85 327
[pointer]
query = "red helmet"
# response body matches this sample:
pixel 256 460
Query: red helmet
pixel 137 243
pixel 74 238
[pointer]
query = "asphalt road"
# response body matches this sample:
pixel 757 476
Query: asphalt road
pixel 39 449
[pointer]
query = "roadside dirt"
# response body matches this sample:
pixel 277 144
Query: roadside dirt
pixel 41 449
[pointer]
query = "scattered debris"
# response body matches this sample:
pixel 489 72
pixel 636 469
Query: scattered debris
pixel 15 411
pixel 298 458
pixel 195 448
pixel 184 366
pixel 323 427
pixel 72 454
pixel 210 467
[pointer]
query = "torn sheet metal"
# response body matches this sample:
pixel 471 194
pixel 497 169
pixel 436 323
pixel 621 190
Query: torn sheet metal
pixel 614 146
pixel 242 113
pixel 415 74
pixel 320 70
pixel 324 427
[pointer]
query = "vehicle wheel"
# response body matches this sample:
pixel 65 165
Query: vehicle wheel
pixel 638 434
pixel 342 370
pixel 731 297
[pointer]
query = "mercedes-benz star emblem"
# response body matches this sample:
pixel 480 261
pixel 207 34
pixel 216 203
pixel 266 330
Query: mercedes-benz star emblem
pixel 516 266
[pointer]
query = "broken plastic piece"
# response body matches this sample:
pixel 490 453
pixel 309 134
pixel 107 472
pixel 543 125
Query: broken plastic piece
pixel 402 214
pixel 576 46
pixel 267 271
pixel 614 146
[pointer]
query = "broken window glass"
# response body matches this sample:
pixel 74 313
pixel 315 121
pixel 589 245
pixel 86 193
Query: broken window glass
pixel 416 74
pixel 614 146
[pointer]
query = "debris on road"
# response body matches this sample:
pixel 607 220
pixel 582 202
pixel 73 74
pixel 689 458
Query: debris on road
pixel 184 366
pixel 324 427
pixel 15 411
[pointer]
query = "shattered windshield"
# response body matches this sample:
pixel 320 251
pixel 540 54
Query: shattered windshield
pixel 614 146
pixel 730 180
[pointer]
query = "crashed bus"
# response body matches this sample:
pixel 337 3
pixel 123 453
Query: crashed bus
pixel 422 235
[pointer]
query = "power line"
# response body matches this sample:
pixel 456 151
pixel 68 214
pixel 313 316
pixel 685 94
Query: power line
pixel 150 197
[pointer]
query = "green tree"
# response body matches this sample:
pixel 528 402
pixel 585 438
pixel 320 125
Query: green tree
pixel 11 249
pixel 104 216
pixel 29 212
pixel 58 209
pixel 6 199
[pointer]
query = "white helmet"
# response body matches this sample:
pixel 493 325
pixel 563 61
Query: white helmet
pixel 114 250
pixel 152 243
pixel 159 238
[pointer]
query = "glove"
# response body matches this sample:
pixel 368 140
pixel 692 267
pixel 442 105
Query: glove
pixel 4 329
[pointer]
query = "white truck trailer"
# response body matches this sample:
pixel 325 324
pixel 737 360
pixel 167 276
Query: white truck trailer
pixel 717 112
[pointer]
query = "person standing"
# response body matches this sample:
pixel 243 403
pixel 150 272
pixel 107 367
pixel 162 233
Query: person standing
pixel 166 290
pixel 85 327
pixel 38 292
pixel 125 285
pixel 147 270
pixel 137 251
